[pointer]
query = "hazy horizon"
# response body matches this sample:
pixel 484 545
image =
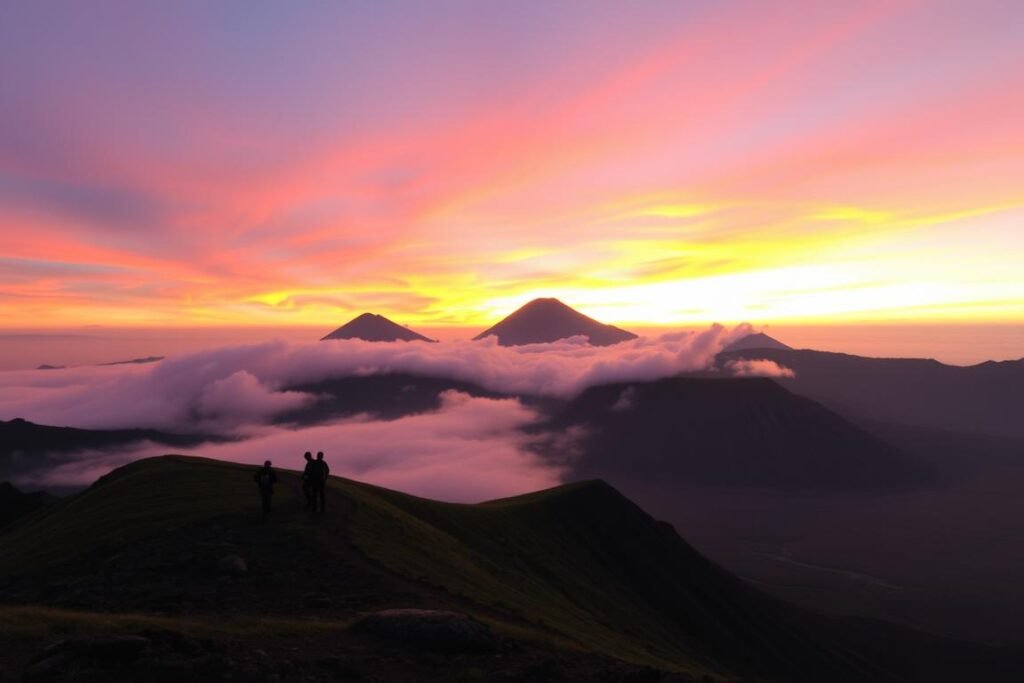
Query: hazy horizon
pixel 959 344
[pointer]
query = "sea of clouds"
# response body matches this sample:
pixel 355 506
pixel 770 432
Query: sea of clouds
pixel 470 449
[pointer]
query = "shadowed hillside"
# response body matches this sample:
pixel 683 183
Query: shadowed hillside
pixel 747 432
pixel 984 398
pixel 26 447
pixel 573 583
pixel 385 396
pixel 15 504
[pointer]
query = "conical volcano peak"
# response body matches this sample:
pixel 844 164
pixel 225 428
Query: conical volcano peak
pixel 375 328
pixel 758 340
pixel 549 302
pixel 547 320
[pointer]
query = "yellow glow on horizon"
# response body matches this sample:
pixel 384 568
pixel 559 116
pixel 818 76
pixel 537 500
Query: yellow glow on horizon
pixel 793 294
pixel 852 213
pixel 795 183
pixel 271 298
pixel 777 266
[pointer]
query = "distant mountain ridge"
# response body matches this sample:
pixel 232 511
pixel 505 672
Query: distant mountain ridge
pixel 986 398
pixel 27 447
pixel 15 504
pixel 374 328
pixel 740 432
pixel 548 320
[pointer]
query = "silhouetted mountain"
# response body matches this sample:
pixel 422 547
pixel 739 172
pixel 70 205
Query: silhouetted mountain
pixel 384 396
pixel 136 361
pixel 934 557
pixel 15 504
pixel 375 328
pixel 576 583
pixel 984 398
pixel 28 447
pixel 746 432
pixel 758 340
pixel 133 361
pixel 548 320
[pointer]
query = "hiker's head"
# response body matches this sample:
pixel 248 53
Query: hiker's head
pixel 307 455
pixel 267 464
pixel 320 455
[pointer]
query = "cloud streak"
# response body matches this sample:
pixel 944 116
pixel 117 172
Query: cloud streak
pixel 469 450
pixel 223 389
pixel 758 367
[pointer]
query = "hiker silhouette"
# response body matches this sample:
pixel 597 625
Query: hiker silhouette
pixel 265 479
pixel 307 480
pixel 319 481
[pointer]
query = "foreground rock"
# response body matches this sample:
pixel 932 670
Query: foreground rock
pixel 150 655
pixel 427 629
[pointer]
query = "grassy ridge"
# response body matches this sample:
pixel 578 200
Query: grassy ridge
pixel 129 503
pixel 579 564
pixel 492 555
pixel 585 562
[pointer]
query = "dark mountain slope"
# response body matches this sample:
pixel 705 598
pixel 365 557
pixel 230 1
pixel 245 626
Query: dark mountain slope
pixel 28 447
pixel 587 562
pixel 22 436
pixel 15 504
pixel 375 328
pixel 151 536
pixel 386 396
pixel 548 320
pixel 574 580
pixel 984 398
pixel 747 432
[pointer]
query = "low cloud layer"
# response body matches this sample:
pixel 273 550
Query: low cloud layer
pixel 226 388
pixel 469 450
pixel 758 368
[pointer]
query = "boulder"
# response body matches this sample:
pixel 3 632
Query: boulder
pixel 427 629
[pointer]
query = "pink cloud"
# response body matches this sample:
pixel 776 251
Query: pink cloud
pixel 471 449
pixel 228 194
pixel 758 368
pixel 226 387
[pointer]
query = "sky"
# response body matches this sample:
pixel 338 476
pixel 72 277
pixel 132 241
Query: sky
pixel 659 163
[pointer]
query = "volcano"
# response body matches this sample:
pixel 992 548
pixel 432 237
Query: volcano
pixel 758 340
pixel 547 320
pixel 375 328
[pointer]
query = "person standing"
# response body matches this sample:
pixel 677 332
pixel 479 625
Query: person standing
pixel 307 480
pixel 321 470
pixel 265 479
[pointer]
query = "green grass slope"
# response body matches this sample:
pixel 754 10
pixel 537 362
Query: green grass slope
pixel 577 568
pixel 130 503
pixel 585 562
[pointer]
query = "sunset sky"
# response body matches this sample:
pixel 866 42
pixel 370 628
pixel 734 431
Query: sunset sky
pixel 201 163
